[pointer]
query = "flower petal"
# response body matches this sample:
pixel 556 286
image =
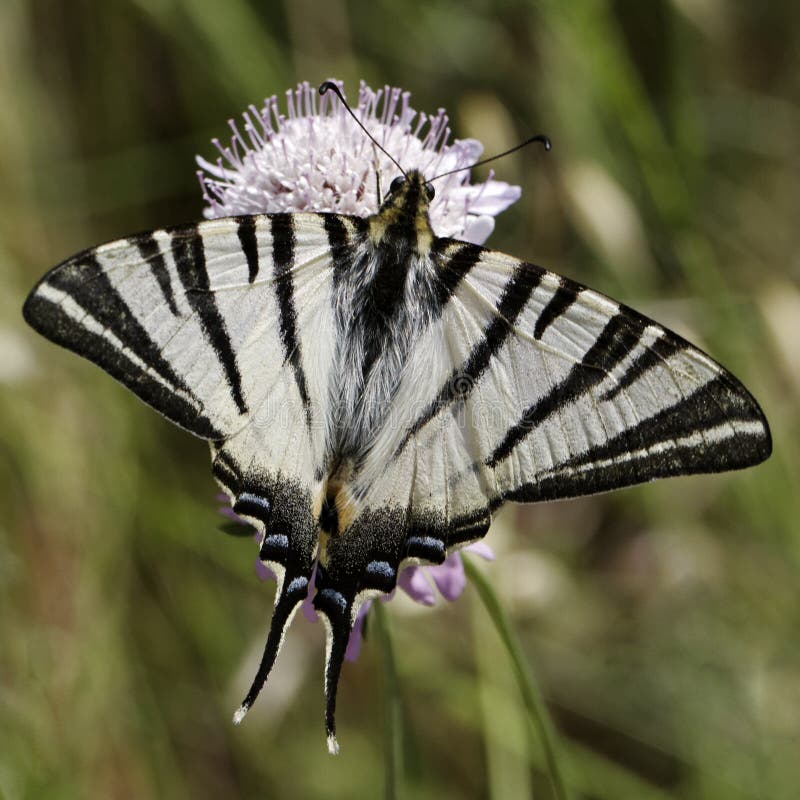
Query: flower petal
pixel 315 158
pixel 309 612
pixel 413 582
pixel 263 572
pixel 356 634
pixel 480 549
pixel 494 197
pixel 478 229
pixel 449 577
pixel 228 512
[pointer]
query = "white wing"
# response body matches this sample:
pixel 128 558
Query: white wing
pixel 204 322
pixel 532 387
pixel 226 327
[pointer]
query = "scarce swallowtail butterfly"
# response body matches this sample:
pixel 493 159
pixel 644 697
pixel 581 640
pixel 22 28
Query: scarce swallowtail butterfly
pixel 372 392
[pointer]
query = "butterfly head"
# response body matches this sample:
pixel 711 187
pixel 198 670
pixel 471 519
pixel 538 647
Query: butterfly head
pixel 404 211
pixel 413 181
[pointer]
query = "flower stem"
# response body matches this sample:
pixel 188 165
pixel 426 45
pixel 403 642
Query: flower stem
pixel 537 711
pixel 393 725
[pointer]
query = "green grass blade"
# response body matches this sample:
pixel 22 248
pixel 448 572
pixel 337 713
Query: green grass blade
pixel 537 711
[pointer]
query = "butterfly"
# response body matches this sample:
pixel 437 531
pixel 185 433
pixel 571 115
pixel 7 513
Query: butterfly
pixel 372 393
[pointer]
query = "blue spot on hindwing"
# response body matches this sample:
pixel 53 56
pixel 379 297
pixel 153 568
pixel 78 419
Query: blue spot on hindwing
pixel 334 597
pixel 274 547
pixel 296 585
pixel 247 497
pixel 428 547
pixel 382 568
pixel 276 540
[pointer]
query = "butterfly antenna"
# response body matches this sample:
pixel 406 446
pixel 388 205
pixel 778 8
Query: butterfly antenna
pixel 330 86
pixel 538 138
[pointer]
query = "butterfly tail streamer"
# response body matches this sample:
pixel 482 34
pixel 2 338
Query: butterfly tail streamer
pixel 290 595
pixel 337 613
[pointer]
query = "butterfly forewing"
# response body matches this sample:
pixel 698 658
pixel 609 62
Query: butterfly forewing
pixel 201 327
pixel 566 392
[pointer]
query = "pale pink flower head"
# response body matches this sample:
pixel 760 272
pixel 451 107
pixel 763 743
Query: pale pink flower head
pixel 314 157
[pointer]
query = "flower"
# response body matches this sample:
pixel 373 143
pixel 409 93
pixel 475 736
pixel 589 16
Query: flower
pixel 316 158
pixel 418 582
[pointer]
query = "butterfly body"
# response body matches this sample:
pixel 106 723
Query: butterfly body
pixel 372 393
pixel 384 297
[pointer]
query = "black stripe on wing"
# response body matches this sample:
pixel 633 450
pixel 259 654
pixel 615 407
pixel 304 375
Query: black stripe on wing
pixel 190 261
pixel 226 471
pixel 246 231
pixel 50 319
pixel 469 527
pixel 83 279
pixel 516 294
pixel 454 261
pixel 683 439
pixel 616 340
pixel 283 244
pixel 663 348
pixel 344 245
pixel 151 254
pixel 560 302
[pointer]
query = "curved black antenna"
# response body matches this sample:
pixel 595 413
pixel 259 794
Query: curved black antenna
pixel 538 138
pixel 330 86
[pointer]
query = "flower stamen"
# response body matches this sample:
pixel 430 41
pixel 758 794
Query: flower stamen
pixel 315 158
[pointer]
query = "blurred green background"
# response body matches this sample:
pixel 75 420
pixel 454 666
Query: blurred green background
pixel 663 621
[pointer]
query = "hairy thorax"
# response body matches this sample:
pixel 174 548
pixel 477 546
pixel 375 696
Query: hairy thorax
pixel 382 304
